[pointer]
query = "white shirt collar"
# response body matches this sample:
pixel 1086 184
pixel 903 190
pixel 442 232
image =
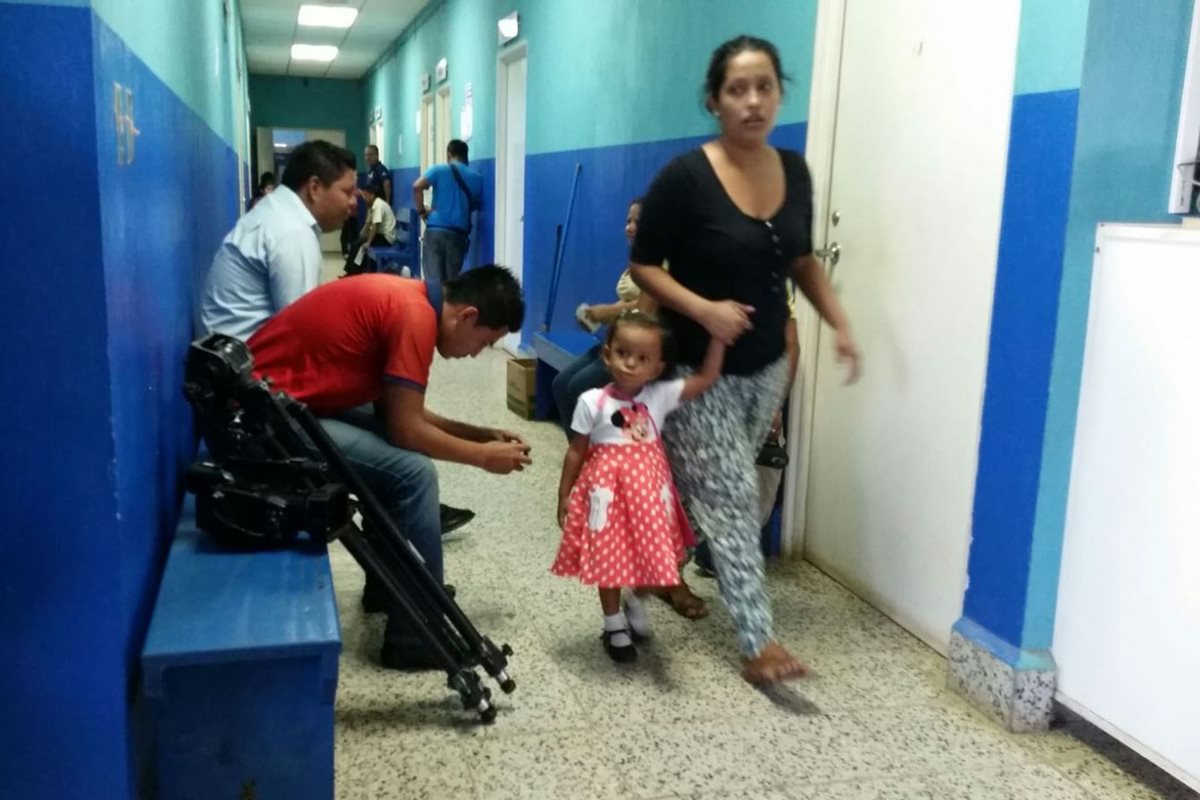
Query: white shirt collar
pixel 291 199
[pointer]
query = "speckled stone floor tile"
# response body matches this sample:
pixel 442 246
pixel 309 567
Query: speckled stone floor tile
pixel 874 723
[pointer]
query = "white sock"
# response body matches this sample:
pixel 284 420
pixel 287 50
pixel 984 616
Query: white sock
pixel 616 622
pixel 635 612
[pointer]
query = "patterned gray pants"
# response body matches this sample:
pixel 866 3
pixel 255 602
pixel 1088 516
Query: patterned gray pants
pixel 712 443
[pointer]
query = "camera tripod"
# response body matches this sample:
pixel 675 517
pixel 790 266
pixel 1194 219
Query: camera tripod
pixel 274 472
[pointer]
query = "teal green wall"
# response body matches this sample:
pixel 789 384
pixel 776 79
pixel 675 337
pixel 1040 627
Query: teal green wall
pixel 1052 43
pixel 600 74
pixel 279 102
pixel 176 40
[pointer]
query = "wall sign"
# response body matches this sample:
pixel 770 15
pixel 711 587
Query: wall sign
pixel 425 83
pixel 127 130
pixel 441 70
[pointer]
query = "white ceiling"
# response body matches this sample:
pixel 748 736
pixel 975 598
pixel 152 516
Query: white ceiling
pixel 269 28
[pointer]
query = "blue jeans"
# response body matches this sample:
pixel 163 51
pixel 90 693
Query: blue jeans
pixel 442 253
pixel 405 482
pixel 585 372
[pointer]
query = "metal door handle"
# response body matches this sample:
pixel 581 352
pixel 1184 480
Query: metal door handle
pixel 833 254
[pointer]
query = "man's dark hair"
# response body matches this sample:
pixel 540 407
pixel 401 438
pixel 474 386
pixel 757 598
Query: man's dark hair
pixel 458 149
pixel 267 179
pixel 327 161
pixel 375 188
pixel 494 291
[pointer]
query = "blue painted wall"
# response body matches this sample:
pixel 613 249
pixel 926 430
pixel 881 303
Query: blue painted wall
pixel 1093 132
pixel 99 430
pixel 614 86
pixel 1128 115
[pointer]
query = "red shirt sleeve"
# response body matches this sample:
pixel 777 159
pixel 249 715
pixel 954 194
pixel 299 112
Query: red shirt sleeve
pixel 410 340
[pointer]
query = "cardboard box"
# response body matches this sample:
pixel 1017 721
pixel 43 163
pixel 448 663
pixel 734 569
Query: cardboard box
pixel 521 386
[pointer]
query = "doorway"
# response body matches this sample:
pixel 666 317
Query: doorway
pixel 274 147
pixel 510 168
pixel 441 128
pixel 909 145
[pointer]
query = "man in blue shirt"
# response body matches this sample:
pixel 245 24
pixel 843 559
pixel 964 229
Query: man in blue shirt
pixel 273 255
pixel 457 192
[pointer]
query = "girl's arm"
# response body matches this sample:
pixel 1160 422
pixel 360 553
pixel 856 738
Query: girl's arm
pixel 572 463
pixel 700 382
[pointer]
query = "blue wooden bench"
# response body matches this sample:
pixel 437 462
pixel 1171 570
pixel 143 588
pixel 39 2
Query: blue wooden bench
pixel 555 350
pixel 406 251
pixel 239 671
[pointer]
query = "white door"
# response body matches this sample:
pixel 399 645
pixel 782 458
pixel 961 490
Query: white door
pixel 427 158
pixel 442 128
pixel 917 180
pixel 510 169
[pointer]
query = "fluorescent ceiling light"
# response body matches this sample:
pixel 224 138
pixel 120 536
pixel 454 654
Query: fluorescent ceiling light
pixel 327 16
pixel 314 52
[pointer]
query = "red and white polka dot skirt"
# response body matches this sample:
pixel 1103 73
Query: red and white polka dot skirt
pixel 625 525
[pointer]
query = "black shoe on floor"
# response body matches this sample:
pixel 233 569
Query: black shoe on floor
pixel 454 518
pixel 622 655
pixel 374 599
pixel 408 657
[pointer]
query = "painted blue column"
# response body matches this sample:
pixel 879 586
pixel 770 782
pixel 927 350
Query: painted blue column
pixel 994 659
pixel 1093 137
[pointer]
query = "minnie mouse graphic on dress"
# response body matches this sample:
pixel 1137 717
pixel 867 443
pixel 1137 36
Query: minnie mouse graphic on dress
pixel 623 526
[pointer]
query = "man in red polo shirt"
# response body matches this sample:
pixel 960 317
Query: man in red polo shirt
pixel 370 339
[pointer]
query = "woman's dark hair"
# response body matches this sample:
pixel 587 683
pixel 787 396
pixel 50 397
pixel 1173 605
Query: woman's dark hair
pixel 637 201
pixel 719 63
pixel 320 158
pixel 641 319
pixel 267 179
pixel 494 291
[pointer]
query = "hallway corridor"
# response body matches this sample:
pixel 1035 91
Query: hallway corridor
pixel 875 720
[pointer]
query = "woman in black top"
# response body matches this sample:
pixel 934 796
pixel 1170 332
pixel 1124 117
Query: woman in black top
pixel 734 219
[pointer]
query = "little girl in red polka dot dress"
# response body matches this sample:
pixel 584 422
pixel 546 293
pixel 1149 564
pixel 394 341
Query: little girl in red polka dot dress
pixel 623 526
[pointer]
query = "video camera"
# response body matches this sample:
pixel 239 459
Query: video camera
pixel 272 472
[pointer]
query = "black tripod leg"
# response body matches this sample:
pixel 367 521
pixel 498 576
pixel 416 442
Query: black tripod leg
pixel 460 676
pixel 492 658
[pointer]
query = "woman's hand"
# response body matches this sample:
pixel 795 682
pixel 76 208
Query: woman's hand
pixel 726 320
pixel 847 353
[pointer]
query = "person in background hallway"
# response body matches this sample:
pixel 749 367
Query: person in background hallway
pixel 273 255
pixel 457 192
pixel 734 218
pixel 378 173
pixel 623 527
pixel 266 185
pixel 378 231
pixel 371 340
pixel 588 371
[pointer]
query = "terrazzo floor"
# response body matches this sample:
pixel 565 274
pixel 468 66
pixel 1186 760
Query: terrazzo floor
pixel 875 720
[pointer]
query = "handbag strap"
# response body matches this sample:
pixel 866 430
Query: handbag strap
pixel 471 206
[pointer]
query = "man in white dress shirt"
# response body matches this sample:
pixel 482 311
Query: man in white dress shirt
pixel 273 255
